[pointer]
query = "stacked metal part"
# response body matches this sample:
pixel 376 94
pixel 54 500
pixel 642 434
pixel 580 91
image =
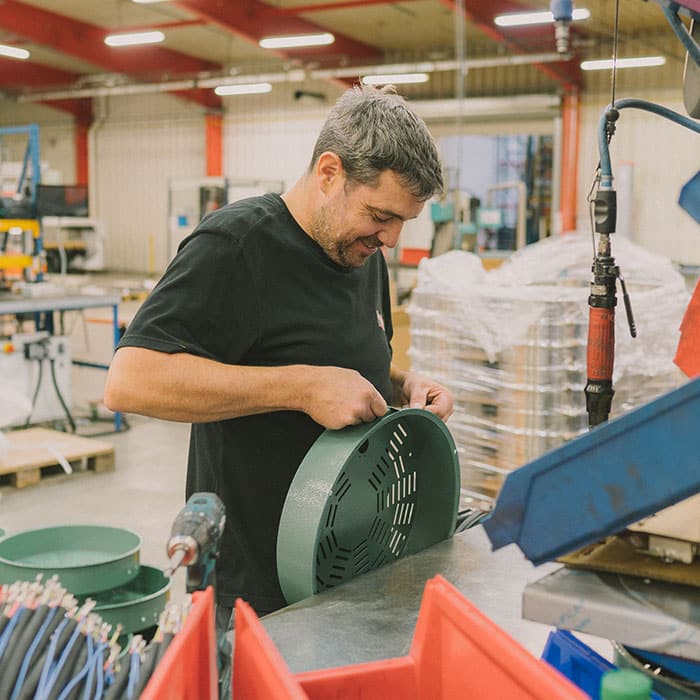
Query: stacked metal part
pixel 53 648
pixel 511 345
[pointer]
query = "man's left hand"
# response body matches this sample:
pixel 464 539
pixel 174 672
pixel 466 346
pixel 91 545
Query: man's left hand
pixel 417 391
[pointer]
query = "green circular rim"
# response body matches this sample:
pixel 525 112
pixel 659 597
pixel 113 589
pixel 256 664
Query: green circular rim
pixel 86 558
pixel 137 604
pixel 320 541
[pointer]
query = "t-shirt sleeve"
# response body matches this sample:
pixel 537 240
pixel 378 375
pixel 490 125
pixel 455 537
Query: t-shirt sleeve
pixel 205 303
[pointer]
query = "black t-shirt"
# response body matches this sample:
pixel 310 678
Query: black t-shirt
pixel 250 287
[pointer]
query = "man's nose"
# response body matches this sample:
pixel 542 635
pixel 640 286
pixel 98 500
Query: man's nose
pixel 389 235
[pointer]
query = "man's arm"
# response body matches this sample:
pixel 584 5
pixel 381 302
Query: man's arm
pixel 188 388
pixel 416 391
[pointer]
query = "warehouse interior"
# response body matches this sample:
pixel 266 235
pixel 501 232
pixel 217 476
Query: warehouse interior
pixel 552 288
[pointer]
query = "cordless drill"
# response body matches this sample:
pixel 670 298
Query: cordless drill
pixel 194 540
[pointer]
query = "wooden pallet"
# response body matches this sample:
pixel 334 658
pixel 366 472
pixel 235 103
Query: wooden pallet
pixel 37 453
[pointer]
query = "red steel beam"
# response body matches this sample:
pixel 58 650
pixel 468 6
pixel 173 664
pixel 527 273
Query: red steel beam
pixel 214 145
pixel 481 15
pixel 571 120
pixel 342 5
pixel 86 42
pixel 19 74
pixel 252 20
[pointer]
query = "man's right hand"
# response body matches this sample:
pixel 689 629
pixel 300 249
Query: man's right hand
pixel 338 397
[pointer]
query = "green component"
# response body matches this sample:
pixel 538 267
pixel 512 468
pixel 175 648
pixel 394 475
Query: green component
pixel 440 212
pixel 137 604
pixel 365 496
pixel 86 558
pixel 626 684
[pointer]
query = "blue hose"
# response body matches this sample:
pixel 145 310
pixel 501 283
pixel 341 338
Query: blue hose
pixel 605 166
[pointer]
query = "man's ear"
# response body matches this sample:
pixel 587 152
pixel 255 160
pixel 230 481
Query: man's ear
pixel 328 170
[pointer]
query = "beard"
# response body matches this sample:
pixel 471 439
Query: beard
pixel 339 247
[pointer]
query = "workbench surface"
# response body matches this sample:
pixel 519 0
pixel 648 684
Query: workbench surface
pixel 373 616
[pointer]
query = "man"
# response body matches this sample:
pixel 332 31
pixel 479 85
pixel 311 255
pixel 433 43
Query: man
pixel 273 322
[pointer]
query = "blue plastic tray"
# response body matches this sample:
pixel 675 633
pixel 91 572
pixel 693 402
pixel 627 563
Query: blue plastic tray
pixel 602 481
pixel 578 662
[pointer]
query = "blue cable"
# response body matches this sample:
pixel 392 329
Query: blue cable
pixel 56 668
pixel 134 668
pixel 24 668
pixel 92 660
pixel 605 166
pixel 101 675
pixel 96 661
pixel 68 688
pixel 49 659
pixel 7 632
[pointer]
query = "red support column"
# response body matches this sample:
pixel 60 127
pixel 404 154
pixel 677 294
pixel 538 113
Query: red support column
pixel 214 145
pixel 571 109
pixel 82 172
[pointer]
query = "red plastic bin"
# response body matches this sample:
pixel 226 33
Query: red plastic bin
pixel 188 670
pixel 456 653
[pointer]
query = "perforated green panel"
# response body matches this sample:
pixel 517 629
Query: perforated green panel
pixel 365 496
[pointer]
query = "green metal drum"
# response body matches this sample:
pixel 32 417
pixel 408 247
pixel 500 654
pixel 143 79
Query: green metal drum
pixel 86 558
pixel 365 496
pixel 135 605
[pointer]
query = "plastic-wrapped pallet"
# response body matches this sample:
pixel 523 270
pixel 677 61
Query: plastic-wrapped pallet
pixel 511 345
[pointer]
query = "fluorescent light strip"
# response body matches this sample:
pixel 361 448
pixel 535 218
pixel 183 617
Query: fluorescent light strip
pixel 290 42
pixel 134 39
pixel 396 79
pixel 13 52
pixel 146 2
pixel 521 19
pixel 243 89
pixel 607 63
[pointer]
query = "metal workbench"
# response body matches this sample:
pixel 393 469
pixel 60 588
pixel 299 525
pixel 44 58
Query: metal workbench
pixel 43 308
pixel 373 616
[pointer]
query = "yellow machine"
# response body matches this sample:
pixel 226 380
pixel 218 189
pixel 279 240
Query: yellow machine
pixel 20 251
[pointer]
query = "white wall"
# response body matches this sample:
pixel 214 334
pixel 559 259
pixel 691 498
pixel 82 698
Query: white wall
pixel 141 142
pixel 663 156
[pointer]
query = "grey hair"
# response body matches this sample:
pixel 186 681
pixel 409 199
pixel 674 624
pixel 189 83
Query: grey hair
pixel 373 130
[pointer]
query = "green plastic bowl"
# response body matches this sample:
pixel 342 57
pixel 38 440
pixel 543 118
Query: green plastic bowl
pixel 365 496
pixel 86 558
pixel 136 605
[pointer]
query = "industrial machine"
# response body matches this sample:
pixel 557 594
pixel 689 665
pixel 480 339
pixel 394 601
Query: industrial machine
pixel 194 540
pixel 36 367
pixel 21 253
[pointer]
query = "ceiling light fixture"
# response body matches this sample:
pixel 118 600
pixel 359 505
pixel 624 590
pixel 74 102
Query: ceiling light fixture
pixel 395 79
pixel 146 2
pixel 296 41
pixel 13 52
pixel 243 89
pixel 134 38
pixel 640 62
pixel 521 19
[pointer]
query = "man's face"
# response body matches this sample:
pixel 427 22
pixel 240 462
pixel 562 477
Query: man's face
pixel 356 220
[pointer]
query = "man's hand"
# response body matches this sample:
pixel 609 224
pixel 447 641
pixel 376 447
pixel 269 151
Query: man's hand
pixel 416 391
pixel 338 397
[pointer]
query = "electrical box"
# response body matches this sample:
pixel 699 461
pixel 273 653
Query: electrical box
pixel 37 367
